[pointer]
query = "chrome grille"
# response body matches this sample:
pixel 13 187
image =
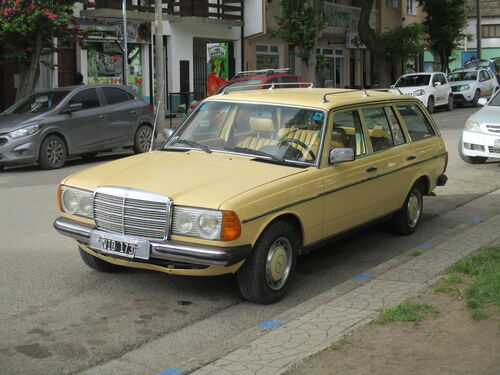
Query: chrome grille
pixel 132 212
pixel 493 128
pixel 455 88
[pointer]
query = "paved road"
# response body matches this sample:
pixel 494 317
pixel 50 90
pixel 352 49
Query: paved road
pixel 58 316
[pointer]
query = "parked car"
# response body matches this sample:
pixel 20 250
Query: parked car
pixel 48 126
pixel 432 89
pixel 481 135
pixel 469 85
pixel 252 179
pixel 257 79
pixel 492 64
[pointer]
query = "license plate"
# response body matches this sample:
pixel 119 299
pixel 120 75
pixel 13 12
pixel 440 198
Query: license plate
pixel 497 143
pixel 128 247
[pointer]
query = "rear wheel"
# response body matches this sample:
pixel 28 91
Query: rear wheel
pixel 96 263
pixel 142 139
pixel 53 152
pixel 449 107
pixel 469 159
pixel 406 220
pixel 268 271
pixel 430 105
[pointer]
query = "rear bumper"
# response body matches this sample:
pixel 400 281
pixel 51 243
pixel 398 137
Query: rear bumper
pixel 175 251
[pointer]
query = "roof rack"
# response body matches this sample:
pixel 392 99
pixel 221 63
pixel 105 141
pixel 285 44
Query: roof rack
pixel 272 86
pixel 335 93
pixel 363 91
pixel 261 72
pixel 389 90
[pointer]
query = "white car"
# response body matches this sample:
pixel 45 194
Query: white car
pixel 481 135
pixel 470 84
pixel 432 89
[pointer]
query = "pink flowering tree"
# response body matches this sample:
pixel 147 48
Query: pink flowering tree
pixel 28 29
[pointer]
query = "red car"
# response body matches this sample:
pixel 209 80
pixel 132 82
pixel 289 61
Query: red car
pixel 258 79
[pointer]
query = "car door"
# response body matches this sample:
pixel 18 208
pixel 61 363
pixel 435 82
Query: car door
pixel 485 83
pixel 86 129
pixel 349 197
pixel 123 111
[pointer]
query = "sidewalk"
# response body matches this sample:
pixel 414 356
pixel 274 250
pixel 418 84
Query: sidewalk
pixel 280 343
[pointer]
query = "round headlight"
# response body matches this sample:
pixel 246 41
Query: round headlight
pixel 184 222
pixel 209 225
pixel 86 205
pixel 69 201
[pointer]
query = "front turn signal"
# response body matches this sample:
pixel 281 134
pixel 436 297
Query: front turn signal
pixel 59 198
pixel 231 226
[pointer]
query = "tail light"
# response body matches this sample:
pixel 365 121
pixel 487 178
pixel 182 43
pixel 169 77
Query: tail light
pixel 150 107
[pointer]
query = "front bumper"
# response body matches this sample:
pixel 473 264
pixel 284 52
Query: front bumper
pixel 480 144
pixel 463 97
pixel 18 151
pixel 175 251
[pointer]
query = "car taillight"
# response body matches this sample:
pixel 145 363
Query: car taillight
pixel 445 163
pixel 150 107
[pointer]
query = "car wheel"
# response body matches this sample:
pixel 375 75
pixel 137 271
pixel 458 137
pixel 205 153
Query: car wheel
pixel 96 263
pixel 142 139
pixel 53 152
pixel 268 271
pixel 469 159
pixel 477 94
pixel 406 220
pixel 430 105
pixel 450 105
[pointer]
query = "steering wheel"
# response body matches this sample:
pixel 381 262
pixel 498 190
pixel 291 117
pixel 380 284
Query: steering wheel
pixel 300 143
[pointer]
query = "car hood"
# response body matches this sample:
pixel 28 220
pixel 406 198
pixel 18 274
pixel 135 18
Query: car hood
pixel 10 123
pixel 193 178
pixel 487 115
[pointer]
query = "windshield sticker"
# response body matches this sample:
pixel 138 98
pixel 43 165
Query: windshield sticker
pixel 203 106
pixel 318 116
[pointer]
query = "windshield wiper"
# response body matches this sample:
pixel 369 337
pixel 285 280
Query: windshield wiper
pixel 192 143
pixel 258 152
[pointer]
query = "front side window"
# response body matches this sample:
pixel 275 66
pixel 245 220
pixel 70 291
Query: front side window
pixel 270 131
pixel 88 98
pixel 378 127
pixel 38 103
pixel 483 76
pixel 347 132
pixel 417 124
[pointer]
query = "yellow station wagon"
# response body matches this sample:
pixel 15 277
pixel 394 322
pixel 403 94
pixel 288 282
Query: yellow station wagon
pixel 252 179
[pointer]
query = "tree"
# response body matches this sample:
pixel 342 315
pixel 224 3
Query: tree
pixel 390 46
pixel 444 22
pixel 300 24
pixel 27 31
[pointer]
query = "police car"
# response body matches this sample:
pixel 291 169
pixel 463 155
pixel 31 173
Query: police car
pixel 469 85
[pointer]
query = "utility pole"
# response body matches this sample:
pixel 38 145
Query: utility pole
pixel 159 65
pixel 478 28
pixel 125 47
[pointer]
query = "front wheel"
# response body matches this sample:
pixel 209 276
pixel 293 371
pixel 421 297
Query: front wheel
pixel 449 107
pixel 268 271
pixel 142 139
pixel 430 105
pixel 475 100
pixel 53 152
pixel 96 263
pixel 406 220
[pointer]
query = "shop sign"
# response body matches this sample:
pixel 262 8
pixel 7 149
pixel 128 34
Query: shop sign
pixel 353 41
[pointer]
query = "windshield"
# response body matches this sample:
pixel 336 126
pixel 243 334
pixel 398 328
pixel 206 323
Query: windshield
pixel 495 101
pixel 414 80
pixel 279 133
pixel 233 85
pixel 462 76
pixel 38 103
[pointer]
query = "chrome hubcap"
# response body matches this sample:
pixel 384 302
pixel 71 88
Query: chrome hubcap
pixel 414 208
pixel 54 152
pixel 278 263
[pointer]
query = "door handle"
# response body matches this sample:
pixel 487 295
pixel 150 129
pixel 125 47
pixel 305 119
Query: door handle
pixel 133 112
pixel 411 157
pixel 102 117
pixel 372 169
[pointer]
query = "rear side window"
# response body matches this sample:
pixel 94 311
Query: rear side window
pixel 115 95
pixel 88 98
pixel 417 124
pixel 378 127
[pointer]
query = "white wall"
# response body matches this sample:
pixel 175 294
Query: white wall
pixel 485 42
pixel 254 17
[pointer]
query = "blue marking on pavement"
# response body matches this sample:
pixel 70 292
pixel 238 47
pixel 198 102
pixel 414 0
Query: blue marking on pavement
pixel 479 219
pixel 172 371
pixel 271 323
pixel 363 276
pixel 427 244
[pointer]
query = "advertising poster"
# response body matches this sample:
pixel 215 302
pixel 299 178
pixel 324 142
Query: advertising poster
pixel 217 66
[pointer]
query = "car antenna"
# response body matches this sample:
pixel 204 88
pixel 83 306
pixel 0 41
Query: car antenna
pixel 156 117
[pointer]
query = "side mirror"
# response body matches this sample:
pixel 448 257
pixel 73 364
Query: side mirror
pixel 341 155
pixel 167 133
pixel 436 84
pixel 482 101
pixel 72 108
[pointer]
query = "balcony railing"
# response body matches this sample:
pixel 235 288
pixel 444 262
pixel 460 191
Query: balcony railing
pixel 346 17
pixel 215 9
